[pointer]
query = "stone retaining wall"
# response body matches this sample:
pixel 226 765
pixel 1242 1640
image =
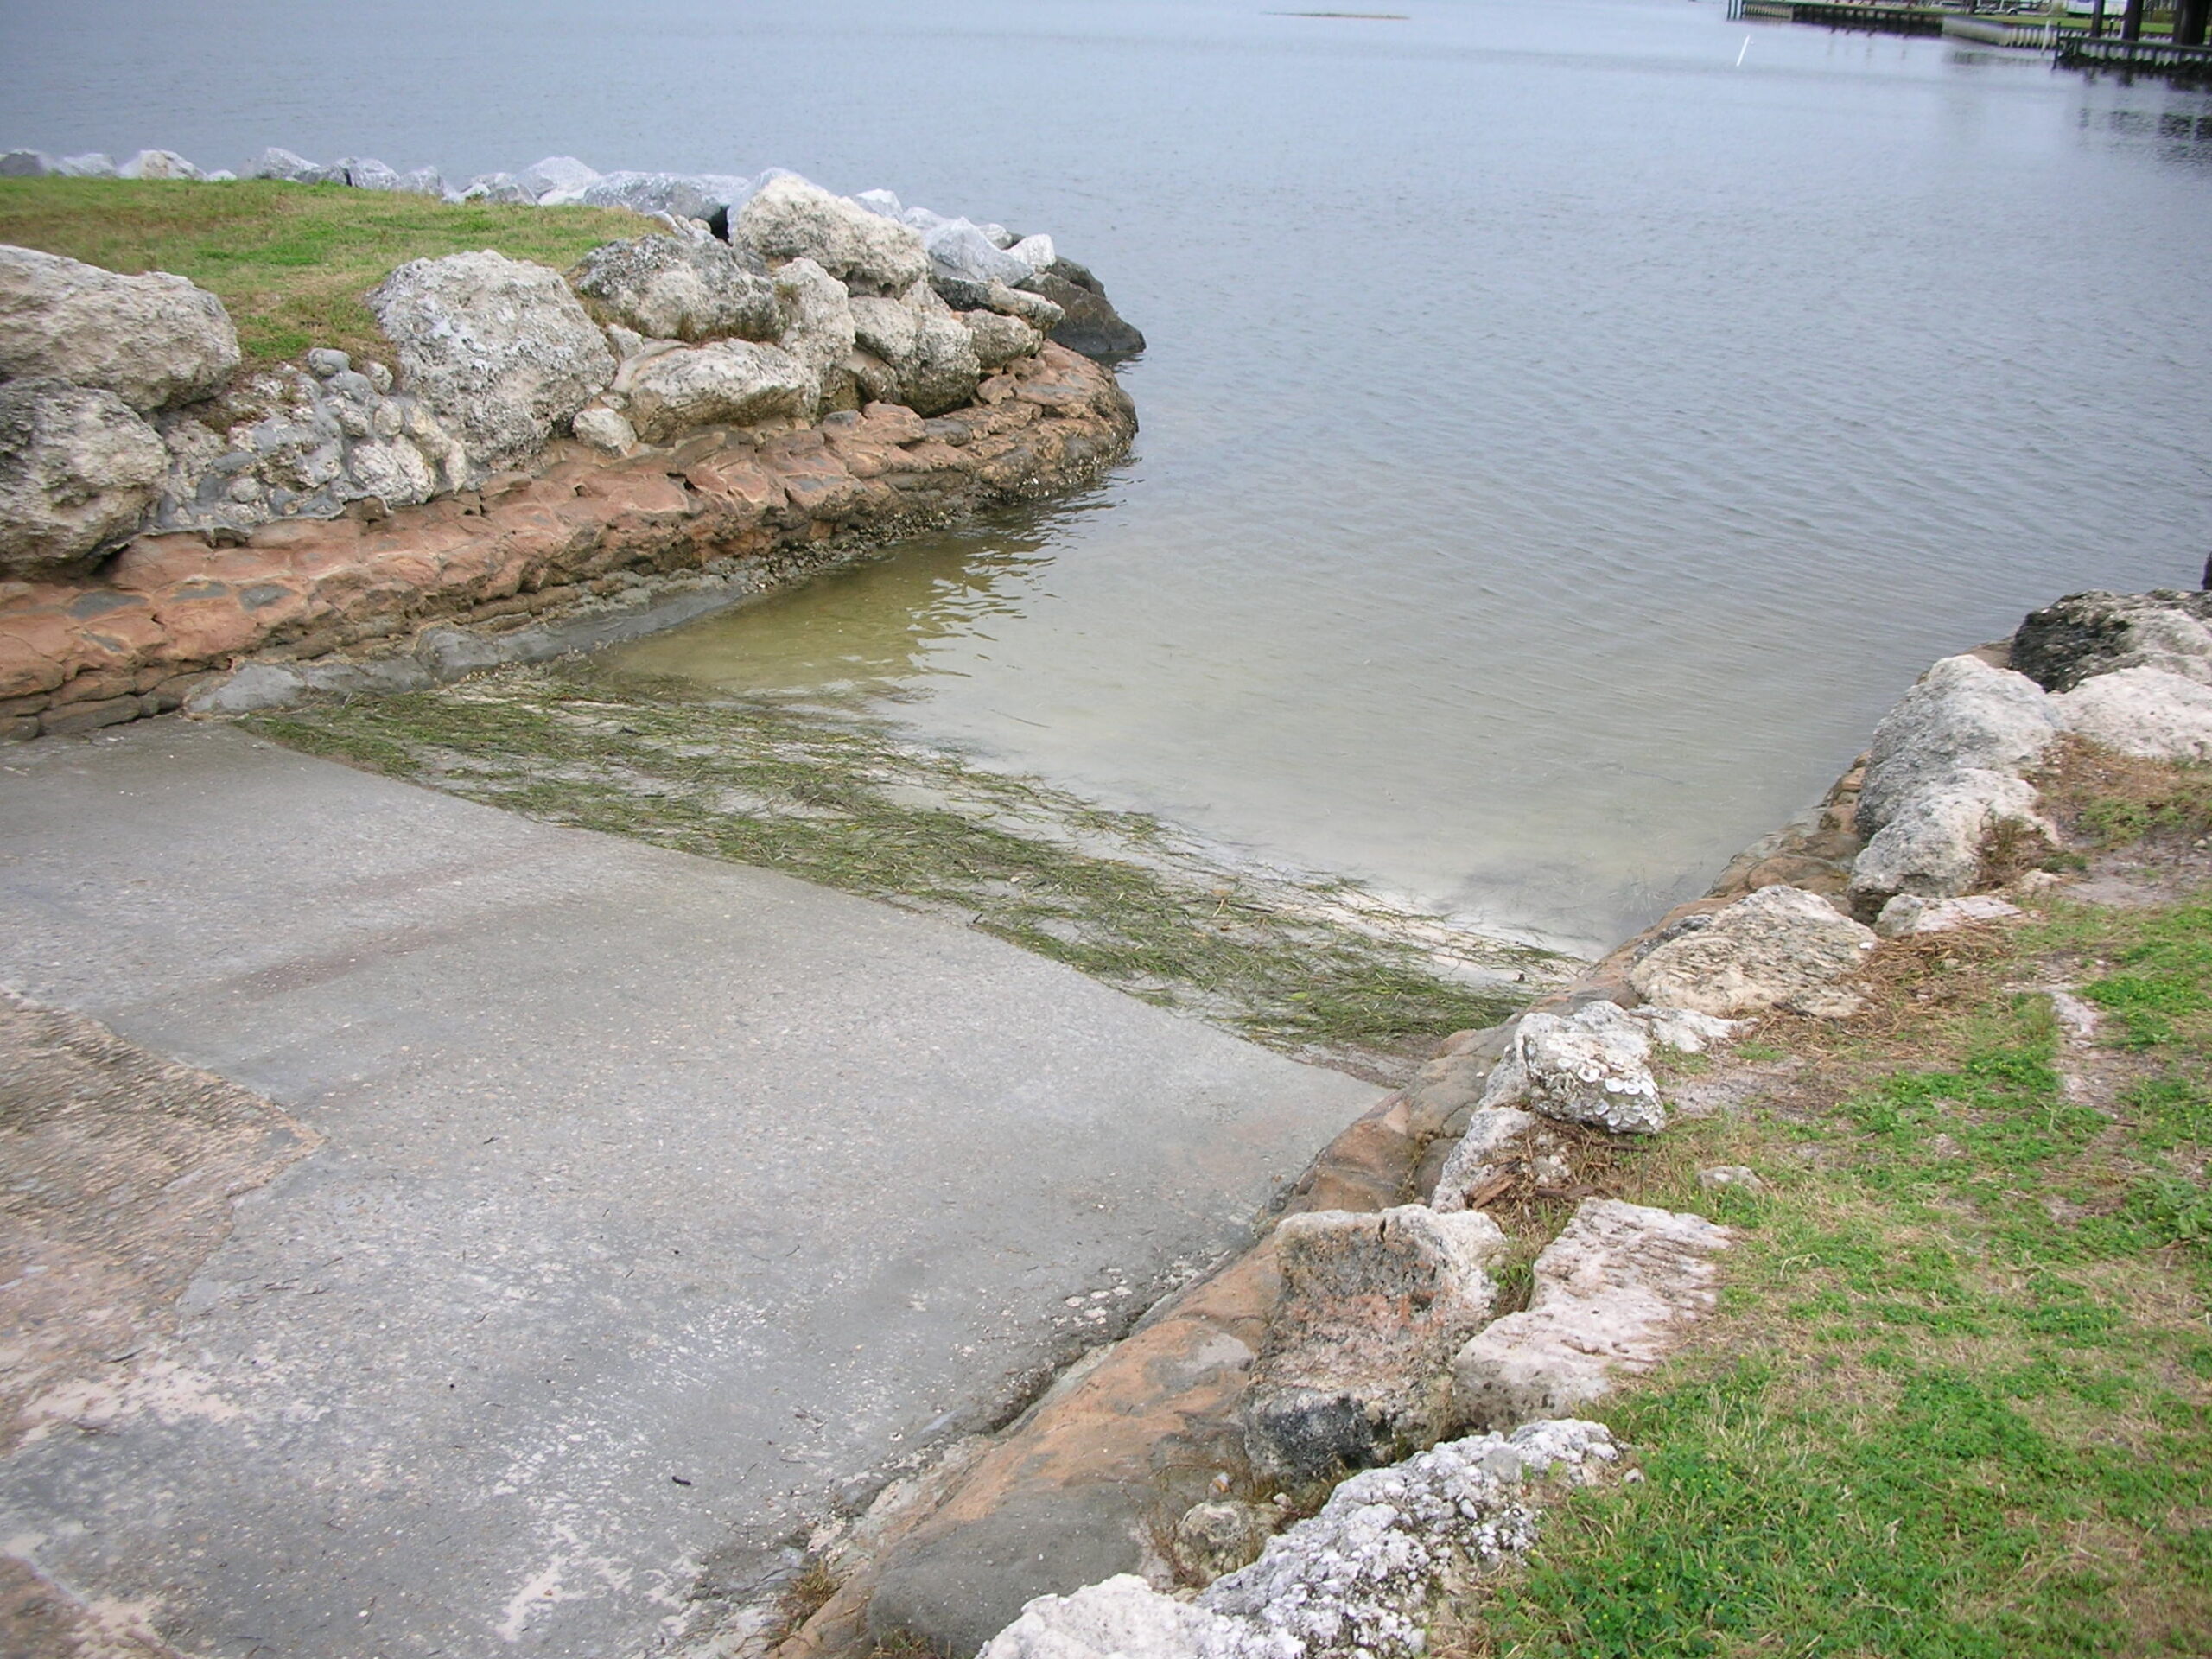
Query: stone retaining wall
pixel 170 612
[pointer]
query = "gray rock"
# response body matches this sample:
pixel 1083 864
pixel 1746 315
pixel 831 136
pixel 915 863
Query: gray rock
pixel 788 219
pixel 1091 325
pixel 1493 1137
pixel 27 164
pixel 926 344
pixel 1907 915
pixel 556 176
pixel 961 249
pixel 496 189
pixel 282 164
pixel 1685 1030
pixel 500 349
pixel 1935 843
pixel 157 164
pixel 1962 715
pixel 90 165
pixel 78 470
pixel 668 288
pixel 422 181
pixel 1779 948
pixel 1372 1308
pixel 1212 1539
pixel 685 196
pixel 999 341
pixel 724 383
pixel 2155 712
pixel 323 363
pixel 818 332
pixel 366 173
pixel 2084 635
pixel 254 687
pixel 1591 1066
pixel 154 340
pixel 1612 1296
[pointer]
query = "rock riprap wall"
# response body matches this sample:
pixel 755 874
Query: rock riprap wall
pixel 674 400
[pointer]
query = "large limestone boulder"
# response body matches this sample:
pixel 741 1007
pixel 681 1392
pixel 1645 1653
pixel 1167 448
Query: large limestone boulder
pixel 1613 1294
pixel 1372 1309
pixel 1962 715
pixel 78 470
pixel 159 164
pixel 961 249
pixel 1935 840
pixel 789 218
pixel 929 349
pixel 1779 948
pixel 154 340
pixel 670 288
pixel 500 349
pixel 2159 713
pixel 1119 1618
pixel 1089 322
pixel 818 331
pixel 724 383
pixel 555 176
pixel 2085 635
pixel 291 168
pixel 1591 1066
pixel 998 339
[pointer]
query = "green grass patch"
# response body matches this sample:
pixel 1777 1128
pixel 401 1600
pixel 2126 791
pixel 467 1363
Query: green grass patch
pixel 1954 1405
pixel 838 800
pixel 290 262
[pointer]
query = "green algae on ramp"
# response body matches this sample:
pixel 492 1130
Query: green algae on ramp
pixel 1320 967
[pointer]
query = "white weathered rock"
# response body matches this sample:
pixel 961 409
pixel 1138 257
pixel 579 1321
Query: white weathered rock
pixel 157 164
pixel 818 331
pixel 366 173
pixel 671 288
pixel 421 181
pixel 999 341
pixel 1494 1135
pixel 153 340
pixel 1034 309
pixel 1933 843
pixel 555 174
pixel 1360 1580
pixel 1685 1030
pixel 1591 1066
pixel 500 349
pixel 2154 712
pixel 91 165
pixel 1962 715
pixel 789 218
pixel 608 430
pixel 1354 1369
pixel 927 347
pixel 1613 1294
pixel 1908 914
pixel 723 383
pixel 1779 948
pixel 78 470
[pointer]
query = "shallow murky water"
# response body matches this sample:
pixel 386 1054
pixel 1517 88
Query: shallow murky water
pixel 1568 424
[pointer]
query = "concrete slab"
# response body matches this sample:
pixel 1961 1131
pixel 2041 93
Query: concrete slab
pixel 656 1196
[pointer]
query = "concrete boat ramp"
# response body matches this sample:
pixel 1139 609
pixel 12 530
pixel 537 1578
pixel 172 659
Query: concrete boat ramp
pixel 603 1211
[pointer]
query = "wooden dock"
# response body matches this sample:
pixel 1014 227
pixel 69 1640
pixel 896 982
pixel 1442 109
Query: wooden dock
pixel 2137 57
pixel 1835 14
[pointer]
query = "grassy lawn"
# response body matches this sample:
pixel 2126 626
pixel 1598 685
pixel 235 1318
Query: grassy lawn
pixel 1304 966
pixel 1957 1403
pixel 290 262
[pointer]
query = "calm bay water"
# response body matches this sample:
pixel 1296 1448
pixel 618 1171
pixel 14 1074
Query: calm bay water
pixel 1562 439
